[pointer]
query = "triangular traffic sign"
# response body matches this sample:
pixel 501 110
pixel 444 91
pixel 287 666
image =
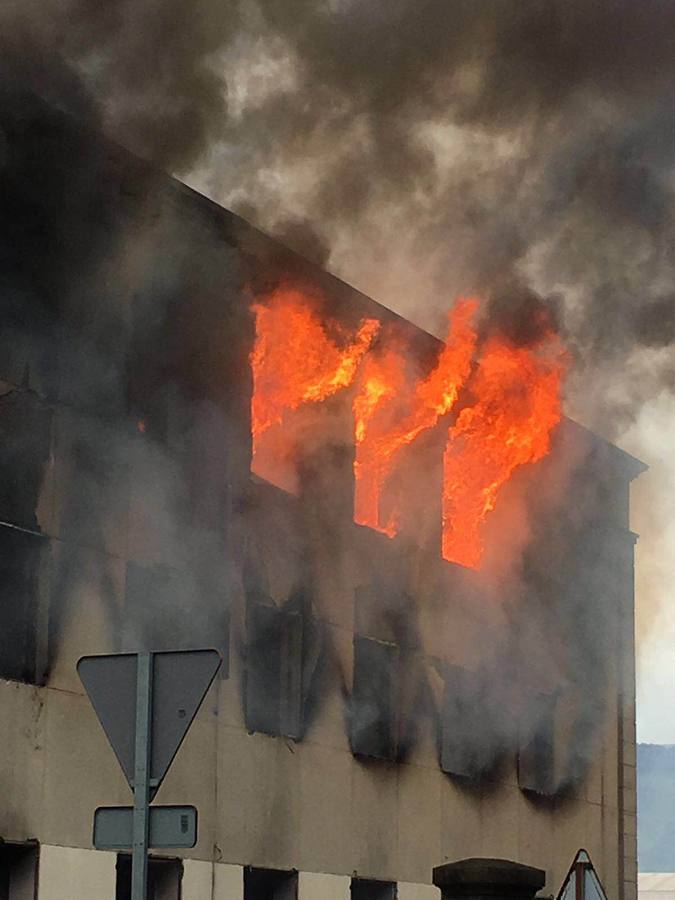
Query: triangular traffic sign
pixel 582 882
pixel 110 682
pixel 180 680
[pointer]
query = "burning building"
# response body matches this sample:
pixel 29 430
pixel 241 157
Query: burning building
pixel 420 574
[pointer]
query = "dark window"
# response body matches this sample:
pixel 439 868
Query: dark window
pixel 274 682
pixel 164 878
pixel 263 668
pixel 373 703
pixel 23 605
pixel 168 609
pixel 370 889
pixel 18 871
pixel 536 754
pixel 466 749
pixel 186 412
pixel 270 884
pixel 291 657
pixel 25 423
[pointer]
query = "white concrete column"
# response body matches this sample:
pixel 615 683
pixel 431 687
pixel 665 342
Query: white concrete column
pixel 197 880
pixel 408 891
pixel 228 882
pixel 316 886
pixel 69 873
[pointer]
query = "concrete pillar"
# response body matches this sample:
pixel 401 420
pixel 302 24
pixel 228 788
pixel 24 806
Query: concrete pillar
pixel 317 886
pixel 67 873
pixel 228 882
pixel 488 879
pixel 407 891
pixel 197 880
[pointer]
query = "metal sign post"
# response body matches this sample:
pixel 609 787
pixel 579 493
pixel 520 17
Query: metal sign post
pixel 146 702
pixel 139 858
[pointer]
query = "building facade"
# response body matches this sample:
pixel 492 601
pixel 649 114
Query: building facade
pixel 380 710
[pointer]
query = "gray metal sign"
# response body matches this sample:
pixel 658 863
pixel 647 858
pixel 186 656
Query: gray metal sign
pixel 180 680
pixel 169 827
pixel 146 702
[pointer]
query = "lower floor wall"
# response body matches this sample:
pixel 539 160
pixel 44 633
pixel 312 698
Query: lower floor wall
pixel 309 806
pixel 71 872
pixel 68 873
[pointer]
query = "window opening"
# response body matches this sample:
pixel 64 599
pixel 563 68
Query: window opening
pixel 536 754
pixel 466 749
pixel 371 889
pixel 18 871
pixel 270 884
pixel 373 720
pixel 282 648
pixel 164 878
pixel 23 605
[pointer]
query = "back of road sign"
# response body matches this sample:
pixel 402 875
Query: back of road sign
pixel 170 827
pixel 180 680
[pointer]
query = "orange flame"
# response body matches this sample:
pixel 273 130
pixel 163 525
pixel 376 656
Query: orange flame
pixel 382 380
pixel 295 362
pixel 378 438
pixel 517 406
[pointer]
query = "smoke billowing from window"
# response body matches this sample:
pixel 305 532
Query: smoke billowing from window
pixel 466 145
pixel 423 149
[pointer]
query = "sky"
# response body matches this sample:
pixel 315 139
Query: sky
pixel 652 438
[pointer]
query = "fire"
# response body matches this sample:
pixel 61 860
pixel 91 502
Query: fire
pixel 294 360
pixel 517 405
pixel 379 437
pixel 382 379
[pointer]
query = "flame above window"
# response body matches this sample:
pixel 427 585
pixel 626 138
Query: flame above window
pixel 498 402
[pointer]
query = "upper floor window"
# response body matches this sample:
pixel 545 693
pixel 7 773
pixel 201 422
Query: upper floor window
pixel 536 751
pixel 283 652
pixel 373 710
pixel 467 748
pixel 24 558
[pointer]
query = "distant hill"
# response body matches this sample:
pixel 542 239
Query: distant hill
pixel 656 807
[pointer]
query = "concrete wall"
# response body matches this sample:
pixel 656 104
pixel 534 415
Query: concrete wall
pixel 66 873
pixel 269 802
pixel 309 805
pixel 316 886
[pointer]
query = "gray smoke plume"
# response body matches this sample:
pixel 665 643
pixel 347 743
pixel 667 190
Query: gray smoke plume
pixel 467 145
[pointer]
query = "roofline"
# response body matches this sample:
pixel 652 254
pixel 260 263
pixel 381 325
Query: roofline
pixel 254 242
pixel 620 459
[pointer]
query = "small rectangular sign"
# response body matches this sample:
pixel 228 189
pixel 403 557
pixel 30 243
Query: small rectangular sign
pixel 170 827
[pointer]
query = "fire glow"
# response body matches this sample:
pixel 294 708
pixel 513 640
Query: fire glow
pixel 295 362
pixel 511 404
pixel 380 437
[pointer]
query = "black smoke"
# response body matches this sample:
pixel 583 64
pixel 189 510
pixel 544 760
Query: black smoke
pixel 435 147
